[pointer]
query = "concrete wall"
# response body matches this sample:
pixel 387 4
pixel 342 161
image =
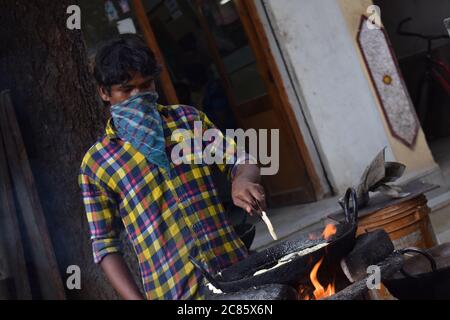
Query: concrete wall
pixel 295 99
pixel 337 99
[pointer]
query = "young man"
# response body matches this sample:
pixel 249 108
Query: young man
pixel 170 212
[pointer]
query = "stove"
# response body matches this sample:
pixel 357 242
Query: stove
pixel 347 278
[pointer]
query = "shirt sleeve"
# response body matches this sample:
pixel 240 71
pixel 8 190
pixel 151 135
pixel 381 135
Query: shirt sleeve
pixel 102 215
pixel 231 156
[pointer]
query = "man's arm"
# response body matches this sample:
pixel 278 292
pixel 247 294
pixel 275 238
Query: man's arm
pixel 120 277
pixel 101 211
pixel 246 190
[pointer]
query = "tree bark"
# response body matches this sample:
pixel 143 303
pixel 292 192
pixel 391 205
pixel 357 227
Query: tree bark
pixel 45 66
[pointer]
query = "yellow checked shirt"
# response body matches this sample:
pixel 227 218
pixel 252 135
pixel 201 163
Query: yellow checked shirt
pixel 168 216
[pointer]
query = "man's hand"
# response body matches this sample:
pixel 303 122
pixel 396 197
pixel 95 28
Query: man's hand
pixel 246 190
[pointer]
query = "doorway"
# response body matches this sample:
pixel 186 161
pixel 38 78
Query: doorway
pixel 216 62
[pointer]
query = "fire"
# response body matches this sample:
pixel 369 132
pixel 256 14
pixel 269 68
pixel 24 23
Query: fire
pixel 330 230
pixel 303 293
pixel 320 292
pixel 327 233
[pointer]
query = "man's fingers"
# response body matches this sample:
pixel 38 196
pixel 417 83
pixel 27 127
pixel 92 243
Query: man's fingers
pixel 257 193
pixel 255 203
pixel 250 197
pixel 260 188
pixel 243 204
pixel 247 197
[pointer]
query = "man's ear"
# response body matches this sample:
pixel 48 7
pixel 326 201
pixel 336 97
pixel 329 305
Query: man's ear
pixel 104 94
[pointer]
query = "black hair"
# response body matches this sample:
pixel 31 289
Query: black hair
pixel 119 57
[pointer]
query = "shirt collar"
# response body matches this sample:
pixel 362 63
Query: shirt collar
pixel 110 129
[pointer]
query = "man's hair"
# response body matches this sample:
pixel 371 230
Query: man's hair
pixel 119 57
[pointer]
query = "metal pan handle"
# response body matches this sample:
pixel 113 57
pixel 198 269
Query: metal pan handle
pixel 423 253
pixel 351 213
pixel 206 274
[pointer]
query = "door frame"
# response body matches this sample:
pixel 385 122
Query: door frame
pixel 267 66
pixel 150 39
pixel 259 41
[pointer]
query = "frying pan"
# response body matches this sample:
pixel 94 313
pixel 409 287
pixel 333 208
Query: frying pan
pixel 241 275
pixel 421 284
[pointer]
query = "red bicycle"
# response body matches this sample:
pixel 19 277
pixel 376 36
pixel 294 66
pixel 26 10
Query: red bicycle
pixel 437 72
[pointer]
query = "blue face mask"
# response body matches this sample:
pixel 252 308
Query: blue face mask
pixel 138 121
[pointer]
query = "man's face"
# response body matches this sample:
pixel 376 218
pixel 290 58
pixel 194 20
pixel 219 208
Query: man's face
pixel 121 92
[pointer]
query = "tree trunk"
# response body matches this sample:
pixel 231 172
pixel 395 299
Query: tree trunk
pixel 45 66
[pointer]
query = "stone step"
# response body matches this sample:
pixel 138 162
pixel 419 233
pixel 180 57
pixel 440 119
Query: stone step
pixel 440 214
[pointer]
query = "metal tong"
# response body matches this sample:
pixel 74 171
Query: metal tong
pixel 267 221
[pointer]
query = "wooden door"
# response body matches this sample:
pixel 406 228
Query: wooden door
pixel 256 93
pixel 257 106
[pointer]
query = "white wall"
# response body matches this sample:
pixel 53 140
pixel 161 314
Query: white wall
pixel 336 98
pixel 295 101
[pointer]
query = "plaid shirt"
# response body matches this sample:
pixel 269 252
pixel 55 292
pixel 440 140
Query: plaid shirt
pixel 168 216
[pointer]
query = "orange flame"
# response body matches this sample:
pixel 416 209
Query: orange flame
pixel 330 230
pixel 303 294
pixel 320 292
